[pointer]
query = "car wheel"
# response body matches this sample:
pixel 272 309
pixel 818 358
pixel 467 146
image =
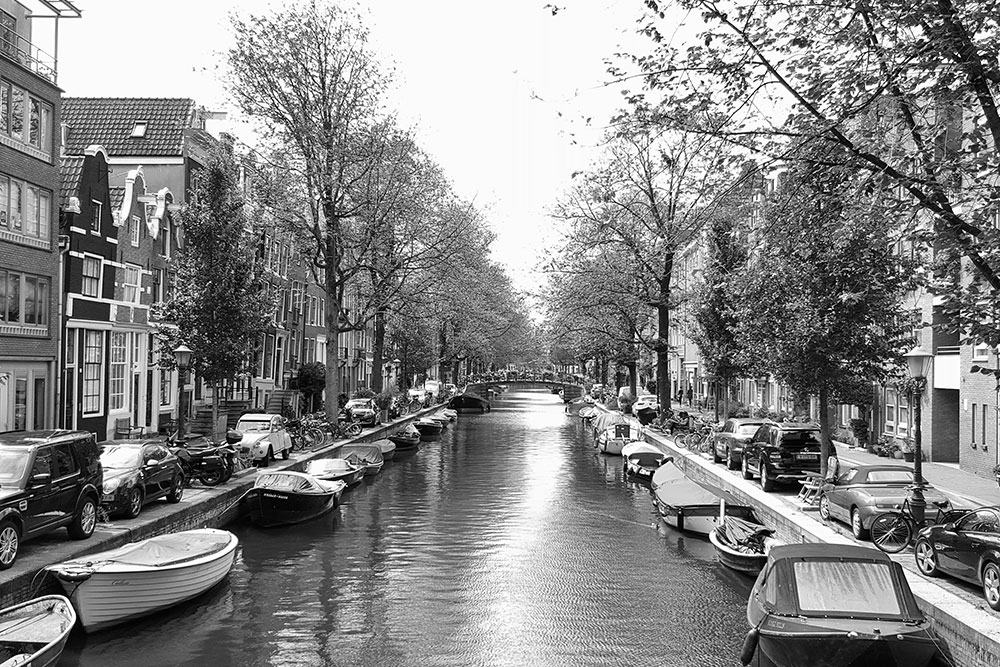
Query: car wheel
pixel 134 503
pixel 857 527
pixel 285 453
pixel 176 490
pixel 766 481
pixel 10 540
pixel 746 469
pixel 923 553
pixel 991 585
pixel 824 507
pixel 715 454
pixel 85 521
pixel 730 461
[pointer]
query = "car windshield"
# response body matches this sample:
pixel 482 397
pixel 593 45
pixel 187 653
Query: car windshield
pixel 12 465
pixel 357 404
pixel 117 456
pixel 255 426
pixel 890 477
pixel 748 429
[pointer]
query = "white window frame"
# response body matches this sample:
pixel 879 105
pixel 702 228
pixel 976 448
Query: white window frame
pixel 981 352
pixel 89 368
pixel 118 370
pixel 97 209
pixel 135 231
pixel 100 275
pixel 131 291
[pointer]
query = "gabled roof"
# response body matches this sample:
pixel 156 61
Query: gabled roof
pixel 110 121
pixel 70 169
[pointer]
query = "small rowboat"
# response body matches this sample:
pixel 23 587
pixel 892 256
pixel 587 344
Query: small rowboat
pixel 141 578
pixel 367 456
pixel 335 469
pixel 642 459
pixel 689 505
pixel 742 545
pixel 34 633
pixel 429 428
pixel 406 439
pixel 388 448
pixel 285 497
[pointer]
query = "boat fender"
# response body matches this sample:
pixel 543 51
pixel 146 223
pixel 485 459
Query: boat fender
pixel 749 646
pixel 72 575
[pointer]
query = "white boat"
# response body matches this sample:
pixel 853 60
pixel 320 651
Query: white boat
pixel 643 459
pixel 388 448
pixel 613 439
pixel 689 505
pixel 141 578
pixel 34 633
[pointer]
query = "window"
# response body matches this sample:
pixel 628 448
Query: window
pixel 982 414
pixel 25 208
pixel 139 129
pixel 166 387
pixel 25 118
pixel 135 230
pixel 157 285
pixel 118 368
pixel 93 363
pixel 24 298
pixel 4 106
pixel 95 222
pixel 17 113
pixel 981 352
pixel 131 283
pixel 91 277
pixel 974 423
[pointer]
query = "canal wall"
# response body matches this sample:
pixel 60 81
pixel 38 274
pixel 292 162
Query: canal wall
pixel 202 507
pixel 969 635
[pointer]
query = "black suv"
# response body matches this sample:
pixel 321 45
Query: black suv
pixel 782 453
pixel 48 479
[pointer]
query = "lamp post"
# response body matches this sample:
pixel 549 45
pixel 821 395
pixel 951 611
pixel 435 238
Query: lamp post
pixel 182 357
pixel 918 365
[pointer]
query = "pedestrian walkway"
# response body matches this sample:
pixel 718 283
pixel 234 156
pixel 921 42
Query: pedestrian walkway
pixel 973 489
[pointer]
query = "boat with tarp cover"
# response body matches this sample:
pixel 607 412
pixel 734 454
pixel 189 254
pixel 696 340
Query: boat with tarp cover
pixel 689 505
pixel 643 459
pixel 834 605
pixel 34 633
pixel 141 578
pixel 366 456
pixel 742 545
pixel 284 497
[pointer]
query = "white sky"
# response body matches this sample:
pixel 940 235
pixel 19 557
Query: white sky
pixel 484 84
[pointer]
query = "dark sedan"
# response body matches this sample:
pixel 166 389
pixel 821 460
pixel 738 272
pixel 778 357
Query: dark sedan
pixel 967 549
pixel 136 473
pixel 862 492
pixel 727 444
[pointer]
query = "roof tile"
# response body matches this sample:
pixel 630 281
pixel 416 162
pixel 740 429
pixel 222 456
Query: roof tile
pixel 109 121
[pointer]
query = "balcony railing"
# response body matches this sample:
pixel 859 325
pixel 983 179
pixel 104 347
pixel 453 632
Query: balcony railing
pixel 20 50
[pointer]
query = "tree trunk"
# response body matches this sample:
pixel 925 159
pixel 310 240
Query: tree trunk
pixel 826 442
pixel 215 412
pixel 378 386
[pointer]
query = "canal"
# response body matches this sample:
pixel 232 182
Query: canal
pixel 509 541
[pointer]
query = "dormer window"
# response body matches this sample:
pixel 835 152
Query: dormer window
pixel 139 129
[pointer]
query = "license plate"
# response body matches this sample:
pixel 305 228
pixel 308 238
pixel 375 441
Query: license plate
pixel 806 457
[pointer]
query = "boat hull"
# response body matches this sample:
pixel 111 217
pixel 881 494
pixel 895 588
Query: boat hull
pixel 405 443
pixel 37 628
pixel 747 563
pixel 898 645
pixel 118 593
pixel 428 430
pixel 271 507
pixel 699 519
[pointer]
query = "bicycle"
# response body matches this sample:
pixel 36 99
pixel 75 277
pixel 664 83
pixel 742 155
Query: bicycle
pixel 894 530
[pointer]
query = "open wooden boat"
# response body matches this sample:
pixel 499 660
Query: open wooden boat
pixel 284 497
pixel 428 428
pixel 34 633
pixel 834 605
pixel 388 448
pixel 368 456
pixel 405 439
pixel 742 545
pixel 689 505
pixel 643 459
pixel 338 469
pixel 144 577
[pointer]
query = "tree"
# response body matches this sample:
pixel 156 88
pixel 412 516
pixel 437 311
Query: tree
pixel 905 91
pixel 819 305
pixel 219 304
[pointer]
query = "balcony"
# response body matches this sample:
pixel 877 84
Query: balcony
pixel 17 48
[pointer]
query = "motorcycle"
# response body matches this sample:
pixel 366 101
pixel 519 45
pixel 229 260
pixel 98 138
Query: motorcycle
pixel 211 464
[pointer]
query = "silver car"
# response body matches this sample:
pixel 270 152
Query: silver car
pixel 728 441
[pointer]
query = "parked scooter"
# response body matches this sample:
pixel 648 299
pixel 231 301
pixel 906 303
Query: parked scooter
pixel 209 463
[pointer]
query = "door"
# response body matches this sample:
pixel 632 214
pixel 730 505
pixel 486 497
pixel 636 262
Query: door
pixel 950 546
pixel 975 535
pixel 158 475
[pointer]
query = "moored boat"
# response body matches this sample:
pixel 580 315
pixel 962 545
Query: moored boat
pixel 388 448
pixel 441 419
pixel 405 439
pixel 452 415
pixel 742 545
pixel 144 577
pixel 689 505
pixel 335 469
pixel 834 605
pixel 367 456
pixel 643 459
pixel 614 438
pixel 34 633
pixel 469 402
pixel 285 497
pixel 428 428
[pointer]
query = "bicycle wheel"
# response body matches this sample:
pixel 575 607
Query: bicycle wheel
pixel 352 430
pixel 693 440
pixel 891 532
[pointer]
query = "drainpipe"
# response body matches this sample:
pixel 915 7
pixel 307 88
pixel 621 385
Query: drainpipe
pixel 58 365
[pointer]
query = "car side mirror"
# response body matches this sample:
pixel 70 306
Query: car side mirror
pixel 950 526
pixel 41 479
pixel 152 462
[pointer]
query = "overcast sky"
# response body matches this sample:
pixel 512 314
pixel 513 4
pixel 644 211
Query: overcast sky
pixel 497 91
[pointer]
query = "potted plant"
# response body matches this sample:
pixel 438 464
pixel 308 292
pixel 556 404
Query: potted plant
pixel 908 448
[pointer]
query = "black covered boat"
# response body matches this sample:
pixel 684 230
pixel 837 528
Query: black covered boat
pixel 469 402
pixel 284 497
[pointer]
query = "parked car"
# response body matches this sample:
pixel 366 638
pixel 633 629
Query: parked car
pixel 781 453
pixel 646 401
pixel 48 479
pixel 264 437
pixel 967 549
pixel 728 442
pixel 362 410
pixel 136 473
pixel 859 493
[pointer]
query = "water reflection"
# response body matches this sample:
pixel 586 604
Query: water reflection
pixel 508 541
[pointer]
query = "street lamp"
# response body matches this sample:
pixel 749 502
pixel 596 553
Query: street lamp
pixel 182 357
pixel 918 365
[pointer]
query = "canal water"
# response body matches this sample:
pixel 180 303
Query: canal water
pixel 509 541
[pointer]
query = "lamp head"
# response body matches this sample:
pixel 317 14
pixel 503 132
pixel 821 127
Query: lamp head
pixel 918 362
pixel 182 355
